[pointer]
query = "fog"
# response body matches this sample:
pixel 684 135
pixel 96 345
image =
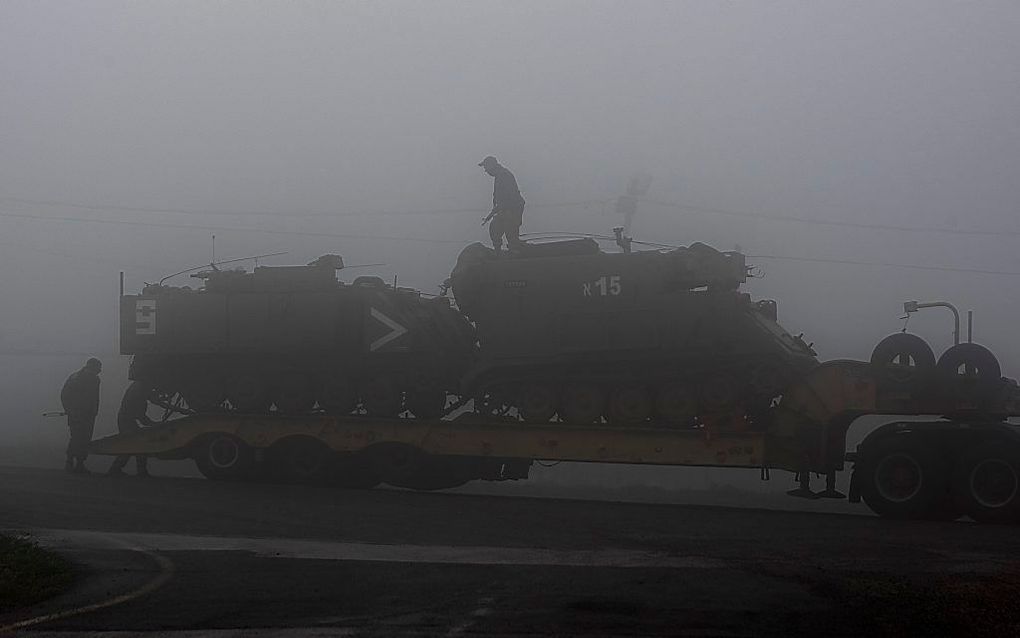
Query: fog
pixel 809 135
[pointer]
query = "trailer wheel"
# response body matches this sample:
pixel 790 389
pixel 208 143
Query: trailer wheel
pixel 354 471
pixel 537 403
pixel 630 404
pixel 903 361
pixel 301 459
pixel 986 483
pixel 969 371
pixel 224 457
pixel 435 473
pixel 394 462
pixel 902 477
pixel 582 403
pixel 676 403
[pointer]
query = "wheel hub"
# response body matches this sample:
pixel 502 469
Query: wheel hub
pixel 993 483
pixel 898 478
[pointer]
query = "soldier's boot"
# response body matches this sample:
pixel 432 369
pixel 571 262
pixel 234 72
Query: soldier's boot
pixel 69 464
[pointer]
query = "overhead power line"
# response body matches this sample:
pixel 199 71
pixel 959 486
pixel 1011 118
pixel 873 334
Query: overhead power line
pixel 854 262
pixel 266 231
pixel 705 210
pixel 827 222
pixel 275 214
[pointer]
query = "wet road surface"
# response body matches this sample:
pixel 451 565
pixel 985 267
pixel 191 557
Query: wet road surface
pixel 188 557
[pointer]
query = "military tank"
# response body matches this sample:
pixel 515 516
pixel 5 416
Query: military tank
pixel 569 331
pixel 295 339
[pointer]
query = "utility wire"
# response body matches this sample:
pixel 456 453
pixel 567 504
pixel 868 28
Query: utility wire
pixel 825 222
pixel 474 210
pixel 852 262
pixel 298 233
pixel 276 214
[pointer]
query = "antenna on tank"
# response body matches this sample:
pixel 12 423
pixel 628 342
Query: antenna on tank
pixel 212 261
pixel 626 205
pixel 220 263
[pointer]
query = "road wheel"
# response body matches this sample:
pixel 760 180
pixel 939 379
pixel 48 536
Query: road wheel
pixel 394 463
pixel 301 460
pixel 354 471
pixel 582 403
pixel 904 478
pixel 676 403
pixel 427 402
pixel 630 404
pixel 204 393
pixel 380 397
pixel 903 362
pixel 224 457
pixel 537 403
pixel 248 392
pixel 986 483
pixel 969 372
pixel 338 395
pixel 295 394
pixel 435 473
pixel 717 393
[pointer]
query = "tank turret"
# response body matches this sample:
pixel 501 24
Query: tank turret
pixel 585 335
pixel 295 338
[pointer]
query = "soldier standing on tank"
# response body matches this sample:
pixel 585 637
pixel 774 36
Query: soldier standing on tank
pixel 507 206
pixel 132 413
pixel 80 399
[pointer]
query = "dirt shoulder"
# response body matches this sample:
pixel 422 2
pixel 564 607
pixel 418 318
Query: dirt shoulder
pixel 30 574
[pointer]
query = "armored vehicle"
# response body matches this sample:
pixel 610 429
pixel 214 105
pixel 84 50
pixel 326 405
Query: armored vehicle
pixel 295 337
pixel 566 329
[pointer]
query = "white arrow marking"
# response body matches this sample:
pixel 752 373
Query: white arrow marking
pixel 395 330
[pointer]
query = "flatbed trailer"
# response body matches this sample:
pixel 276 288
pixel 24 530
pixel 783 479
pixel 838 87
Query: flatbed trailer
pixel 965 463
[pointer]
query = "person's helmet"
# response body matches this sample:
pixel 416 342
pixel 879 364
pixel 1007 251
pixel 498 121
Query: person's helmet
pixel 94 365
pixel 488 161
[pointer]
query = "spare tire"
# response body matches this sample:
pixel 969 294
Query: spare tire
pixel 969 372
pixel 903 362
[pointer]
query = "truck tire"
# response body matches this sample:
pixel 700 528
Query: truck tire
pixel 353 471
pixel 969 372
pixel 903 477
pixel 903 362
pixel 986 483
pixel 301 460
pixel 394 462
pixel 224 457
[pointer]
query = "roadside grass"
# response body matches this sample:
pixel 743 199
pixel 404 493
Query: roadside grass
pixel 29 574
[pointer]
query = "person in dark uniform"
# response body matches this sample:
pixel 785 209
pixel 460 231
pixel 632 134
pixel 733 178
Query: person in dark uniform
pixel 507 206
pixel 132 413
pixel 80 399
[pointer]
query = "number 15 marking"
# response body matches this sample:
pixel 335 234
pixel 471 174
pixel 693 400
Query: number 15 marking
pixel 606 286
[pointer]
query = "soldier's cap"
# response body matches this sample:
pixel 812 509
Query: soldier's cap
pixel 488 161
pixel 94 364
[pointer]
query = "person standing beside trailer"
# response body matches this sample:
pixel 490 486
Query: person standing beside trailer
pixel 80 400
pixel 132 413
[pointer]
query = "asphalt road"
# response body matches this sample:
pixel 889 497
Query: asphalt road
pixel 181 556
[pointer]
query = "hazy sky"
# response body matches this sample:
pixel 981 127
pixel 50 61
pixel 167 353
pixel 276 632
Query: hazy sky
pixel 888 113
